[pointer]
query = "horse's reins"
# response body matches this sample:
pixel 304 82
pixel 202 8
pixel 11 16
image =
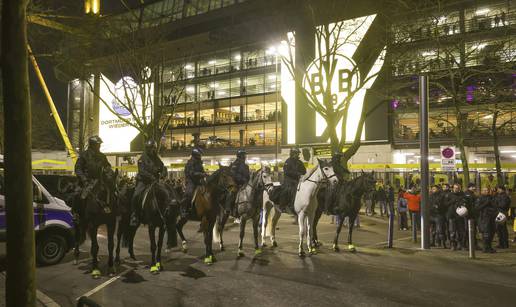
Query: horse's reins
pixel 326 178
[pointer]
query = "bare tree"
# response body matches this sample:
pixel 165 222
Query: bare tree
pixel 456 64
pixel 332 82
pixel 151 83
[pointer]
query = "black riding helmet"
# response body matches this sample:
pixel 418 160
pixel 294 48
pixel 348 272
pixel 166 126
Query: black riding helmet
pixel 241 153
pixel 294 152
pixel 151 144
pixel 95 140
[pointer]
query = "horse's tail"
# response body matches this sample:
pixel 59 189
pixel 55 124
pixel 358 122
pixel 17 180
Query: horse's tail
pixel 216 234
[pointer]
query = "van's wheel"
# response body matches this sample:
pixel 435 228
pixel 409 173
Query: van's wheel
pixel 50 249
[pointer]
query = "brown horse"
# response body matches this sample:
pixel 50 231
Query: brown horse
pixel 206 207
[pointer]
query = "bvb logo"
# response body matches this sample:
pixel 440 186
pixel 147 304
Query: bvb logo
pixel 344 80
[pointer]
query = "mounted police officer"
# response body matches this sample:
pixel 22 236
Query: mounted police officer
pixel 150 170
pixel 340 171
pixel 240 173
pixel 342 174
pixel 91 166
pixel 293 169
pixel 194 177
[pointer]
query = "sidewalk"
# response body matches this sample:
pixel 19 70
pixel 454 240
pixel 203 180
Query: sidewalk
pixel 42 299
pixel 402 243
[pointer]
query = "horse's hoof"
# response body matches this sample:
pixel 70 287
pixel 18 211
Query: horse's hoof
pixel 240 253
pixel 184 247
pixel 258 251
pixel 95 274
pixel 312 251
pixel 117 261
pixel 302 254
pixel 352 248
pixel 274 244
pixel 154 269
pixel 222 248
pixel 160 266
pixel 336 248
pixel 209 260
pixel 75 262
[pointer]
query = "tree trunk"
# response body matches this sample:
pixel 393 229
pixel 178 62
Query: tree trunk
pixel 496 148
pixel 332 122
pixel 460 144
pixel 20 283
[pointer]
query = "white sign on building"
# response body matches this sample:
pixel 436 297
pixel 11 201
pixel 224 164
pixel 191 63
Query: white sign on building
pixel 114 129
pixel 448 163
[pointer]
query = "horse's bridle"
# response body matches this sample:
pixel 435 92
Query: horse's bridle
pixel 325 179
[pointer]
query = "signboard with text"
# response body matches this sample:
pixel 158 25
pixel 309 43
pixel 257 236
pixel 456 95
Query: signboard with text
pixel 448 158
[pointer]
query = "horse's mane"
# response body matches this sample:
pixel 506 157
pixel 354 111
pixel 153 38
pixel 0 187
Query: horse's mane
pixel 213 177
pixel 309 173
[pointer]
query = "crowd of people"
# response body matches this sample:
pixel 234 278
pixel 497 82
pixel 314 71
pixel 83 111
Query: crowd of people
pixel 450 209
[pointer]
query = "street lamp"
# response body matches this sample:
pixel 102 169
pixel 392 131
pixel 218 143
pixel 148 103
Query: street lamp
pixel 92 7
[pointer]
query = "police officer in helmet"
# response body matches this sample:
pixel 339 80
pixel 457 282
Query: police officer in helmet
pixel 341 173
pixel 194 177
pixel 150 170
pixel 293 169
pixel 240 173
pixel 338 168
pixel 91 165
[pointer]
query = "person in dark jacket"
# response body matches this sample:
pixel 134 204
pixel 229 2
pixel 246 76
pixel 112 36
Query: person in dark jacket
pixel 381 198
pixel 437 217
pixel 470 199
pixel 150 170
pixel 486 212
pixel 194 177
pixel 456 227
pixel 240 173
pixel 340 171
pixel 331 191
pixel 91 163
pixel 293 169
pixel 89 168
pixel 503 203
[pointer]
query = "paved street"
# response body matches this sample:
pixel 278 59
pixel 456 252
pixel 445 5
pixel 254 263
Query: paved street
pixel 374 276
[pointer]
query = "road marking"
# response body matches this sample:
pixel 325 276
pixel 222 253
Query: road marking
pixel 105 284
pixel 45 300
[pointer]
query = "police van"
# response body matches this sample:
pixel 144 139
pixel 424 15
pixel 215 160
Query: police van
pixel 53 222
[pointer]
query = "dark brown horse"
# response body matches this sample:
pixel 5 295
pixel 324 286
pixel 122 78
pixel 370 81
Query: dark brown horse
pixel 98 207
pixel 206 204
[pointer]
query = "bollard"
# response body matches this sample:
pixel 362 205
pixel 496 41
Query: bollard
pixel 471 238
pixel 414 228
pixel 390 232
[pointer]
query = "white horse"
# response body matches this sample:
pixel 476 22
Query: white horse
pixel 305 203
pixel 269 209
